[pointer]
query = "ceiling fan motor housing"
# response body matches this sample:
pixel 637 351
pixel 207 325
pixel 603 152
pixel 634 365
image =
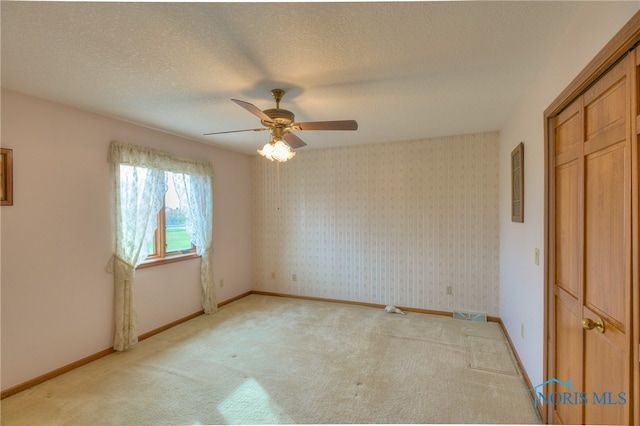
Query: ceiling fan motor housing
pixel 279 116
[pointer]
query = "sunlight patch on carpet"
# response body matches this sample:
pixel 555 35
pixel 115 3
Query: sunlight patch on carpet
pixel 490 355
pixel 251 404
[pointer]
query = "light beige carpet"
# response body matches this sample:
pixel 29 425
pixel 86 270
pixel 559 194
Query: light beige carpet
pixel 272 360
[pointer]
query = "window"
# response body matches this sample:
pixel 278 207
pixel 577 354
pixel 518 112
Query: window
pixel 171 241
pixel 140 183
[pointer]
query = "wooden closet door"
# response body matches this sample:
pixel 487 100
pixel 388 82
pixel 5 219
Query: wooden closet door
pixel 592 288
pixel 607 254
pixel 568 356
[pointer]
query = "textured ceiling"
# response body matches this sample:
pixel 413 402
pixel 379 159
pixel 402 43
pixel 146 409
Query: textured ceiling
pixel 403 70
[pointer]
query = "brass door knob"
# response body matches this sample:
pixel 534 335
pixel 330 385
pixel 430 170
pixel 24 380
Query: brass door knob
pixel 589 324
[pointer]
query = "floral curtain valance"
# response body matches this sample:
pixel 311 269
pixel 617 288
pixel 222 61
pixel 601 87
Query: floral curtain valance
pixel 122 153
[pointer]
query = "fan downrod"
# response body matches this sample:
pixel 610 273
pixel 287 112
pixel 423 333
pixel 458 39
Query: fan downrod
pixel 277 95
pixel 279 116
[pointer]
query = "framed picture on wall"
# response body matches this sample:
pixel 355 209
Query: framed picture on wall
pixel 6 177
pixel 517 183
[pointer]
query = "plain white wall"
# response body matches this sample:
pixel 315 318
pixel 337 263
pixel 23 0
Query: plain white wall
pixel 57 299
pixel 521 281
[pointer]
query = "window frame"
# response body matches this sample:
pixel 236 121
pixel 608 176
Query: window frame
pixel 160 256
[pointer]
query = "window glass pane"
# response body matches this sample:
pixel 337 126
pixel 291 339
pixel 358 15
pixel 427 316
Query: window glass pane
pixel 132 179
pixel 177 238
pixel 151 246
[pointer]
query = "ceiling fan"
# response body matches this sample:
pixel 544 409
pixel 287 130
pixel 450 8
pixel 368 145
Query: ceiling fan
pixel 282 122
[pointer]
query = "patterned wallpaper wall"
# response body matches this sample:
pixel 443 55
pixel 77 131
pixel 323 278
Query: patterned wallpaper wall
pixel 393 223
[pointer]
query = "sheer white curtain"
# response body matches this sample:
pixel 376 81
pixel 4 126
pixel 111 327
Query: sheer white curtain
pixel 139 195
pixel 195 193
pixel 139 188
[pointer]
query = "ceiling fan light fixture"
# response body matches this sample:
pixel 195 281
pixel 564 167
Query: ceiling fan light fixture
pixel 277 150
pixel 266 151
pixel 282 152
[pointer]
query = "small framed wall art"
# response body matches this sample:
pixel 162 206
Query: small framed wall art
pixel 6 177
pixel 517 183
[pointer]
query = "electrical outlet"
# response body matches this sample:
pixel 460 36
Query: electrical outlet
pixel 449 290
pixel 273 275
pixel 221 283
pixel 537 256
pixel 522 330
pixel 294 277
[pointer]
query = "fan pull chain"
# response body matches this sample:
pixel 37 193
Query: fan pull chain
pixel 278 186
pixel 278 215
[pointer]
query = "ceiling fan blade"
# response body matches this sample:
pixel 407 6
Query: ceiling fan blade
pixel 254 110
pixel 237 131
pixel 293 141
pixel 328 125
